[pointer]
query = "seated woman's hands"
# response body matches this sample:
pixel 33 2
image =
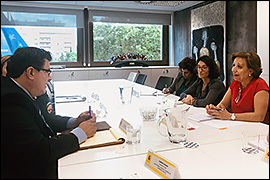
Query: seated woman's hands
pixel 188 100
pixel 165 90
pixel 218 112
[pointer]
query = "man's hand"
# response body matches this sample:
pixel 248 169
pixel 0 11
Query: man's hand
pixel 85 116
pixel 89 127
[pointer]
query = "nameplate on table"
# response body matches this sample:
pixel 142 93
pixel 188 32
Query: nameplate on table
pixel 123 125
pixel 161 166
pixel 266 156
pixel 69 99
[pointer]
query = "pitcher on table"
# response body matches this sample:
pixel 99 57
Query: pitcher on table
pixel 175 123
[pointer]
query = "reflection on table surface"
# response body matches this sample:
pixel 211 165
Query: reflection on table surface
pixel 130 158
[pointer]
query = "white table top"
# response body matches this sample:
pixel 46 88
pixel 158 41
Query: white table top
pixel 93 161
pixel 223 160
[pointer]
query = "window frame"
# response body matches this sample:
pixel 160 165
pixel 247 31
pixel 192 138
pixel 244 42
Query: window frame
pixel 42 10
pixel 164 51
pixel 85 46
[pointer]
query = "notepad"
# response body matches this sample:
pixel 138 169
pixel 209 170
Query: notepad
pixel 199 117
pixel 105 136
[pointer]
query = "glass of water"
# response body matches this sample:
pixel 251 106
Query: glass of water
pixel 133 134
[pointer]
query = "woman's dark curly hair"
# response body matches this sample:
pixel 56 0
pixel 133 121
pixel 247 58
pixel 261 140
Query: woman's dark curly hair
pixel 188 63
pixel 213 68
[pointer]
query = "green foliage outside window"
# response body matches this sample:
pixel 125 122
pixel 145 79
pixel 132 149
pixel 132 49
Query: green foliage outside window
pixel 111 39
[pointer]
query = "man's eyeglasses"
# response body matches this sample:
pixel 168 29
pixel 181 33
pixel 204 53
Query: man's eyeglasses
pixel 237 99
pixel 201 68
pixel 46 70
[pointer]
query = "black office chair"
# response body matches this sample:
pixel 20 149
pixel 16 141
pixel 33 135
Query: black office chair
pixel 141 78
pixel 164 82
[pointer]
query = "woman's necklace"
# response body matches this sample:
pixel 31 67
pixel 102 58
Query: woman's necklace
pixel 242 86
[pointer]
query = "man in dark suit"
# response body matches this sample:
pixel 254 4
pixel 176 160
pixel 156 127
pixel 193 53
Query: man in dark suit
pixel 30 147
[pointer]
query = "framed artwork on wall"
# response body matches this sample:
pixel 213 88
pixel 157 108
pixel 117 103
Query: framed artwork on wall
pixel 210 41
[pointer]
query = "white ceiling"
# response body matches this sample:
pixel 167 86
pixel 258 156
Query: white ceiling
pixel 156 6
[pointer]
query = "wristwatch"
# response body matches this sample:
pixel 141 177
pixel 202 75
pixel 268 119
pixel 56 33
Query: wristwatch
pixel 233 117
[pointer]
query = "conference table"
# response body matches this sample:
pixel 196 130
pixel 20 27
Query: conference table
pixel 218 155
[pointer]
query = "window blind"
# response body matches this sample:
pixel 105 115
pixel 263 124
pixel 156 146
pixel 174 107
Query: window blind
pixel 29 16
pixel 129 17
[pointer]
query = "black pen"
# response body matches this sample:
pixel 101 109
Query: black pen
pixel 220 109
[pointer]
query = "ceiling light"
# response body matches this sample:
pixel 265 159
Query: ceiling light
pixel 161 3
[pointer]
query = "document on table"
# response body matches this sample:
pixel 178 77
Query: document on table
pixel 211 121
pixel 223 124
pixel 199 117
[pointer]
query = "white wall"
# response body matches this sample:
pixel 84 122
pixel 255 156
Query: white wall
pixel 263 36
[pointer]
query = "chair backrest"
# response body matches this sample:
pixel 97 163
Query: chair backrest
pixel 164 82
pixel 141 78
pixel 132 76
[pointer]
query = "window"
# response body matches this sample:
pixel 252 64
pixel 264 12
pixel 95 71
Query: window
pixel 125 33
pixel 83 37
pixel 116 38
pixel 42 28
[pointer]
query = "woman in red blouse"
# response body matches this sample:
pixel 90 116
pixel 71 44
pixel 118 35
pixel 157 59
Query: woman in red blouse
pixel 248 94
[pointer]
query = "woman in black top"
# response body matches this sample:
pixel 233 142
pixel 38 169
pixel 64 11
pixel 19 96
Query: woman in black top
pixel 208 89
pixel 186 77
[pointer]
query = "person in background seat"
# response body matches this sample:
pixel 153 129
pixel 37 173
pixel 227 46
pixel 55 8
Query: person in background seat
pixel 186 77
pixel 208 88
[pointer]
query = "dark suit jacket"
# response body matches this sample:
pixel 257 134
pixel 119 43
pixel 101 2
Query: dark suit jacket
pixel 28 148
pixel 56 122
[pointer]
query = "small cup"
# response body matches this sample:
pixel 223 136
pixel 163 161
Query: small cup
pixel 133 134
pixel 250 142
pixel 126 94
pixel 149 113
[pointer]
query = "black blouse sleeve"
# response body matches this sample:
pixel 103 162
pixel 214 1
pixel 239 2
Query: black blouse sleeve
pixel 213 94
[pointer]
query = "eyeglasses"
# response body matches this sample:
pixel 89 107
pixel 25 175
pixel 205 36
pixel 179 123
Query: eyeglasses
pixel 201 68
pixel 237 99
pixel 46 70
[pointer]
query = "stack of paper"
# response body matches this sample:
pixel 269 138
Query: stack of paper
pixel 199 117
pixel 209 120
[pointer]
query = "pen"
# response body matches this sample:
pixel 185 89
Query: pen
pixel 90 112
pixel 220 109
